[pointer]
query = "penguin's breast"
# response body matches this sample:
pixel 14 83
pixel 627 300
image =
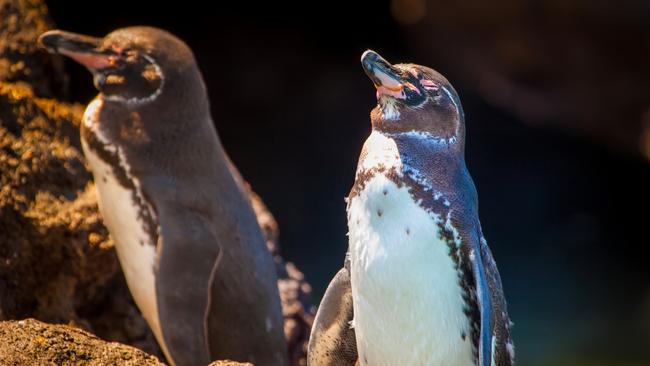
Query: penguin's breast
pixel 408 304
pixel 136 249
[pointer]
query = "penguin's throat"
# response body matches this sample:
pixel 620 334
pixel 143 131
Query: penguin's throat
pixel 133 102
pixel 381 156
pixel 91 122
pixel 380 152
pixel 427 137
pixel 389 107
pixel 392 122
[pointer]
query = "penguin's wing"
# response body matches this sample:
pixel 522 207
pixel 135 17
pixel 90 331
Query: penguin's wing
pixel 495 347
pixel 243 317
pixel 186 241
pixel 502 348
pixel 332 341
pixel 484 305
pixel 211 304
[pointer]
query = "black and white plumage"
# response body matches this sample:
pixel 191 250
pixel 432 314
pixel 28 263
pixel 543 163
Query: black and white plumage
pixel 420 286
pixel 186 236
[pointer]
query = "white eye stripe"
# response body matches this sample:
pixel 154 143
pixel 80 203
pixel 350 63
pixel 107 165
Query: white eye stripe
pixel 450 97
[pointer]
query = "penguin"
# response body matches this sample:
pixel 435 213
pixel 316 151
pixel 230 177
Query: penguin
pixel 419 285
pixel 185 233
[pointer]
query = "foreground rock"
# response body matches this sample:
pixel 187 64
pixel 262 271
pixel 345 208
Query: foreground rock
pixel 30 342
pixel 230 363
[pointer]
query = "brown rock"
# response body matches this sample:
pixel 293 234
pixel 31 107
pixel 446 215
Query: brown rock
pixel 30 342
pixel 20 58
pixel 230 363
pixel 295 292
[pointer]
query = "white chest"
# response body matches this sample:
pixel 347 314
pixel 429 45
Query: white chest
pixel 135 251
pixel 408 306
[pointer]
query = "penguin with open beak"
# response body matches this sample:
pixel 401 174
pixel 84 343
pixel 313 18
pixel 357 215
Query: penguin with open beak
pixel 186 236
pixel 419 285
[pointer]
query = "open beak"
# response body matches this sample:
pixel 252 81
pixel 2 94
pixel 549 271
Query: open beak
pixel 386 78
pixel 83 49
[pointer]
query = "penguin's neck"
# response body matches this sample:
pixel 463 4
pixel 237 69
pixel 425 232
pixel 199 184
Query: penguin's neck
pixel 425 161
pixel 408 302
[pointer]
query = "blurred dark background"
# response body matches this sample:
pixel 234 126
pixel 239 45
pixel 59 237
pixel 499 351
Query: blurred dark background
pixel 557 101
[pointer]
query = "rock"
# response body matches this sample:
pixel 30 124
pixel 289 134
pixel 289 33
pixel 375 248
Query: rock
pixel 230 363
pixel 31 342
pixel 294 290
pixel 20 57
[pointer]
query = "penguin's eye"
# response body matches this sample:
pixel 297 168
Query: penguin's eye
pixel 431 87
pixel 416 74
pixel 151 74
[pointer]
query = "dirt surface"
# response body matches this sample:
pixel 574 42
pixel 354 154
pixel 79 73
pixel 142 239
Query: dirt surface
pixel 30 342
pixel 57 261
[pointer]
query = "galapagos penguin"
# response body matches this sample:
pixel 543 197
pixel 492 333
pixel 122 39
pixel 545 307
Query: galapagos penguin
pixel 185 233
pixel 419 285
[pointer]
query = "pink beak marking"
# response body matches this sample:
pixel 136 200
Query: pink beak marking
pixel 91 61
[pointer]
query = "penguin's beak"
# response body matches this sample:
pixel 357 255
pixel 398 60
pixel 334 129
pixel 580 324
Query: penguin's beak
pixel 83 49
pixel 385 76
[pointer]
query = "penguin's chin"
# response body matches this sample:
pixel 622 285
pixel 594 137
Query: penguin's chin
pixel 389 107
pixel 396 92
pixel 393 99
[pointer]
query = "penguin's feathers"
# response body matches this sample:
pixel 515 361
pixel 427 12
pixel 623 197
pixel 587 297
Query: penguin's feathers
pixel 332 341
pixel 484 301
pixel 215 282
pixel 219 308
pixel 185 306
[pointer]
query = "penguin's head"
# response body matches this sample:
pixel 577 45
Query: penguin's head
pixel 413 99
pixel 130 65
